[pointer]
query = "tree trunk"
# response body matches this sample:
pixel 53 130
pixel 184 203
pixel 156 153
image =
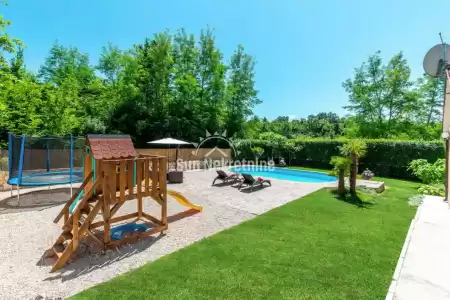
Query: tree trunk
pixel 341 184
pixel 353 173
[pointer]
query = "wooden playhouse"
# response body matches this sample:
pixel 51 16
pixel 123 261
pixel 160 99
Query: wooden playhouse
pixel 114 173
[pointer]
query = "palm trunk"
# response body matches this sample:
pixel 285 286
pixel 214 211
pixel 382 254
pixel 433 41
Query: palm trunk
pixel 353 173
pixel 341 184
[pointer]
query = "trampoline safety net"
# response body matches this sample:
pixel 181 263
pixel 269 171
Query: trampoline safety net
pixel 45 160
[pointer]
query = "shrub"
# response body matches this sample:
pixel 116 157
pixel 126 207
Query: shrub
pixel 386 158
pixel 428 173
pixel 432 190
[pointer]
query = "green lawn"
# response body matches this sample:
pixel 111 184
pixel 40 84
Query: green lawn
pixel 317 247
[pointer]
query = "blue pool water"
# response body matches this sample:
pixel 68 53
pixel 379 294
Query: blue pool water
pixel 284 174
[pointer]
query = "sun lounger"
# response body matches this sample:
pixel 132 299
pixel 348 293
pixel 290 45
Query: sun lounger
pixel 250 181
pixel 221 175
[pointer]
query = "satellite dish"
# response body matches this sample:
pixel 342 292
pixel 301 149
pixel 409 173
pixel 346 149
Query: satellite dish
pixel 434 60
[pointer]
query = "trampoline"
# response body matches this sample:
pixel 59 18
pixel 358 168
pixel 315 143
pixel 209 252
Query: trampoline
pixel 44 161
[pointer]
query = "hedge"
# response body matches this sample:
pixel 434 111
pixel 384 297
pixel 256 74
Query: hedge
pixel 386 158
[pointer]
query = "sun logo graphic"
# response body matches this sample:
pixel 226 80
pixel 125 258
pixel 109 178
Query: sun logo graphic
pixel 224 157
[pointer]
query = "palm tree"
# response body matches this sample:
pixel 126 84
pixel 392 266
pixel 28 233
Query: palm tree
pixel 340 165
pixel 354 149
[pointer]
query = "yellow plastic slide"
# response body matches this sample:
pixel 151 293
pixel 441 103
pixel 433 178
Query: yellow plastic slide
pixel 183 201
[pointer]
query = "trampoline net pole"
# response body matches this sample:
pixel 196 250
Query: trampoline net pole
pixel 22 151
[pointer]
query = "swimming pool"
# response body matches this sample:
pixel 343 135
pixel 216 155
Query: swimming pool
pixel 284 174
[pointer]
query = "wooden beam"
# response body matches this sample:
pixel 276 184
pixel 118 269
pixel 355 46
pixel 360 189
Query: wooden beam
pixel 87 221
pixel 151 218
pixel 139 187
pixel 65 210
pixel 155 176
pixel 114 220
pixel 163 189
pixel 115 208
pixel 122 180
pixel 111 179
pixel 124 217
pixel 81 204
pixel 96 238
pixel 75 237
pixel 88 168
pixel 147 176
pixel 130 178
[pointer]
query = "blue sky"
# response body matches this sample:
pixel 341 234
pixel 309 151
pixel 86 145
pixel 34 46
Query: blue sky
pixel 304 49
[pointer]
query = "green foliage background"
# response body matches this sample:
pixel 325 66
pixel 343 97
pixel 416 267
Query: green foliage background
pixel 180 85
pixel 386 158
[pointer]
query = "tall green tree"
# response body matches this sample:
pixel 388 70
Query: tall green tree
pixel 431 91
pixel 211 79
pixel 381 97
pixel 64 62
pixel 184 120
pixel 242 95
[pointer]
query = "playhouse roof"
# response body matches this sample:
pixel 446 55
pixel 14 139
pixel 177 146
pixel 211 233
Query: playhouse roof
pixel 111 146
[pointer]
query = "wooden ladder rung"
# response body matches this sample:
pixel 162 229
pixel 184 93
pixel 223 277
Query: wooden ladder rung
pixel 67 236
pixel 58 249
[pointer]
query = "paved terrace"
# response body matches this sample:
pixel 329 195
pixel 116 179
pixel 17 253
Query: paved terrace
pixel 423 271
pixel 27 231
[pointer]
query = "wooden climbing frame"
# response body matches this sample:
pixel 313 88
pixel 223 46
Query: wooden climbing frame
pixel 114 174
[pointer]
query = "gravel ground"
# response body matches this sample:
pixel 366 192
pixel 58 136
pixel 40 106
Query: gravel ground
pixel 27 231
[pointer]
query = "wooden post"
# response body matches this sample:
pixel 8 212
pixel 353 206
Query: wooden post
pixel 76 217
pixel 122 179
pixel 130 178
pixel 109 174
pixel 155 176
pixel 139 186
pixel 163 189
pixel 87 170
pixel 147 176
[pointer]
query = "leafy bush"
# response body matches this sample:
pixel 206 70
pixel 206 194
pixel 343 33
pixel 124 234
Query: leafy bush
pixel 386 158
pixel 428 173
pixel 432 190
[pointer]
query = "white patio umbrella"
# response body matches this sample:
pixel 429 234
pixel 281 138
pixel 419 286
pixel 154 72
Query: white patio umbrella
pixel 171 141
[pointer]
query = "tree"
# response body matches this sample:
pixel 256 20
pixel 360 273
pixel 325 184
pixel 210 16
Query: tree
pixel 258 152
pixel 111 63
pixel 168 85
pixel 211 79
pixel 431 91
pixel 354 149
pixel 380 96
pixel 64 62
pixel 273 140
pixel 241 93
pixel 183 109
pixel 292 149
pixel 341 164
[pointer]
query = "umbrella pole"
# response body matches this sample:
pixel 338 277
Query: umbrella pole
pixel 176 158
